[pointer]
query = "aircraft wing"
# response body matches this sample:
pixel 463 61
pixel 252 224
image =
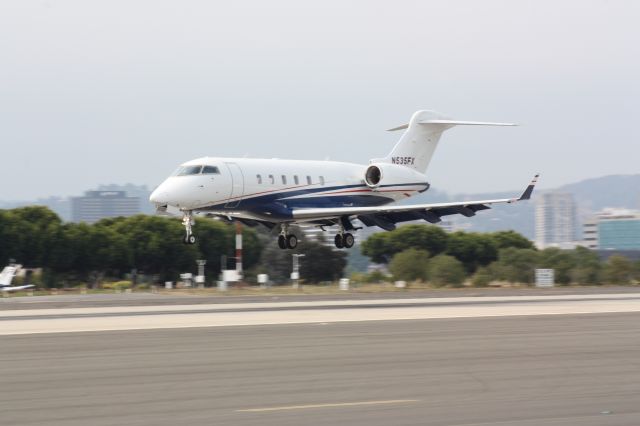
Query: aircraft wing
pixel 386 217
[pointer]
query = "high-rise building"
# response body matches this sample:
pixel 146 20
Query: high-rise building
pixel 96 205
pixel 590 234
pixel 555 220
pixel 618 230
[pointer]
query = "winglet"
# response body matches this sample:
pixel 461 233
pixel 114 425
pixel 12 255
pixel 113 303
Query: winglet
pixel 527 192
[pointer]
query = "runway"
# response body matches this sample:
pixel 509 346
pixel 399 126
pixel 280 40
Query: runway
pixel 509 368
pixel 241 314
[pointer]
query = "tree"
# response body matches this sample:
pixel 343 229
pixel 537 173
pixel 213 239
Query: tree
pixel 505 239
pixel 26 235
pixel 515 265
pixel 446 270
pixel 482 277
pixel 618 270
pixel 472 249
pixel 378 247
pixel 410 265
pixel 562 262
pixel 381 247
pixel 156 246
pixel 587 267
pixel 320 263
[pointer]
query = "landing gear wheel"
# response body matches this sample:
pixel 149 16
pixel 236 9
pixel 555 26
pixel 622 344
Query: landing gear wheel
pixel 292 241
pixel 282 242
pixel 348 240
pixel 188 222
pixel 338 241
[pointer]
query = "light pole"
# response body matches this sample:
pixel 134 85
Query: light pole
pixel 295 275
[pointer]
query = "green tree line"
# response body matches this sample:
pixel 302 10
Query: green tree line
pixel 72 253
pixel 427 253
pixel 78 252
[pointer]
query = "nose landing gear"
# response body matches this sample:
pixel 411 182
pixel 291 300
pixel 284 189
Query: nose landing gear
pixel 188 222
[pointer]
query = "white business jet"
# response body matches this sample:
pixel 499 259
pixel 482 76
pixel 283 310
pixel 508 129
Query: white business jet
pixel 6 276
pixel 278 193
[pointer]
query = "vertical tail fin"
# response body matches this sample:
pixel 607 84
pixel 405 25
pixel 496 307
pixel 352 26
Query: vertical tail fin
pixel 6 276
pixel 420 140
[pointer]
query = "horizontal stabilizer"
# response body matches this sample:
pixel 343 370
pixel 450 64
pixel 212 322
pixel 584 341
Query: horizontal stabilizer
pixel 466 123
pixel 451 123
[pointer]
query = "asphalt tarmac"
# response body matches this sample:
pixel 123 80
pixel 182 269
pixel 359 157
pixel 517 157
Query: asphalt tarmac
pixel 251 296
pixel 574 369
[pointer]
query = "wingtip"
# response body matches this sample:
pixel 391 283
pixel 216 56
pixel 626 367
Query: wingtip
pixel 526 195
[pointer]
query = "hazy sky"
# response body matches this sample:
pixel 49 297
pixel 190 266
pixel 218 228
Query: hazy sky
pixel 122 91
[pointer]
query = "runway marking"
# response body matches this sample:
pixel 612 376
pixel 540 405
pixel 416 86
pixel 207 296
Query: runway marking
pixel 329 405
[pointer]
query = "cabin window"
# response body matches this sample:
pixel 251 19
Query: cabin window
pixel 259 179
pixel 210 170
pixel 321 180
pixel 308 180
pixel 284 180
pixel 295 179
pixel 271 179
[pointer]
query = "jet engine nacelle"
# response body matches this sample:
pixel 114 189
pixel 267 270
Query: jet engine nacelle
pixel 378 174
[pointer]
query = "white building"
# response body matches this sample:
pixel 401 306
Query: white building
pixel 96 205
pixel 555 220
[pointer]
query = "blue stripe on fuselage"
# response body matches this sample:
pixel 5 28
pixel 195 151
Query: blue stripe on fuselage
pixel 278 205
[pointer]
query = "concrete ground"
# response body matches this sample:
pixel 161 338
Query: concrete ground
pixel 256 295
pixel 551 370
pixel 495 365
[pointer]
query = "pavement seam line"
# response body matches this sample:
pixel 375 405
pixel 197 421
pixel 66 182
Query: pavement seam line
pixel 328 405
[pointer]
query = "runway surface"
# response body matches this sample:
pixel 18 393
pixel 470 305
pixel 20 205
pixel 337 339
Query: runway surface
pixel 171 298
pixel 237 314
pixel 495 365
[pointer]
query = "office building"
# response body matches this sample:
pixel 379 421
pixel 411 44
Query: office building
pixel 618 230
pixel 96 205
pixel 555 220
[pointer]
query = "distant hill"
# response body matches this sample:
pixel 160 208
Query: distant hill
pixel 591 195
pixel 607 191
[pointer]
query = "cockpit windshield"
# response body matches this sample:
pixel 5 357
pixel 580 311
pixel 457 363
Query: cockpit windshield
pixel 196 170
pixel 188 170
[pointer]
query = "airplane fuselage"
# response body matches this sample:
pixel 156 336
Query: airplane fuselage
pixel 269 189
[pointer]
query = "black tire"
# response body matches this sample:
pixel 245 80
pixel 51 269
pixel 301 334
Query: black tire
pixel 338 241
pixel 282 242
pixel 292 241
pixel 348 240
pixel 185 240
pixel 191 239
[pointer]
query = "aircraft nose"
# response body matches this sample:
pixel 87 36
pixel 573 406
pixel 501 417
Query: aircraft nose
pixel 159 195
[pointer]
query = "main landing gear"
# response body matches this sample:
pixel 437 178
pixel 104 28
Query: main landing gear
pixel 188 222
pixel 344 240
pixel 285 239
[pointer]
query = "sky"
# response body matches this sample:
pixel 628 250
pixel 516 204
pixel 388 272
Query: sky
pixel 97 92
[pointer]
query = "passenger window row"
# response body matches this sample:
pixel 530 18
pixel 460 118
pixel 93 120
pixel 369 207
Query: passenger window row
pixel 283 178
